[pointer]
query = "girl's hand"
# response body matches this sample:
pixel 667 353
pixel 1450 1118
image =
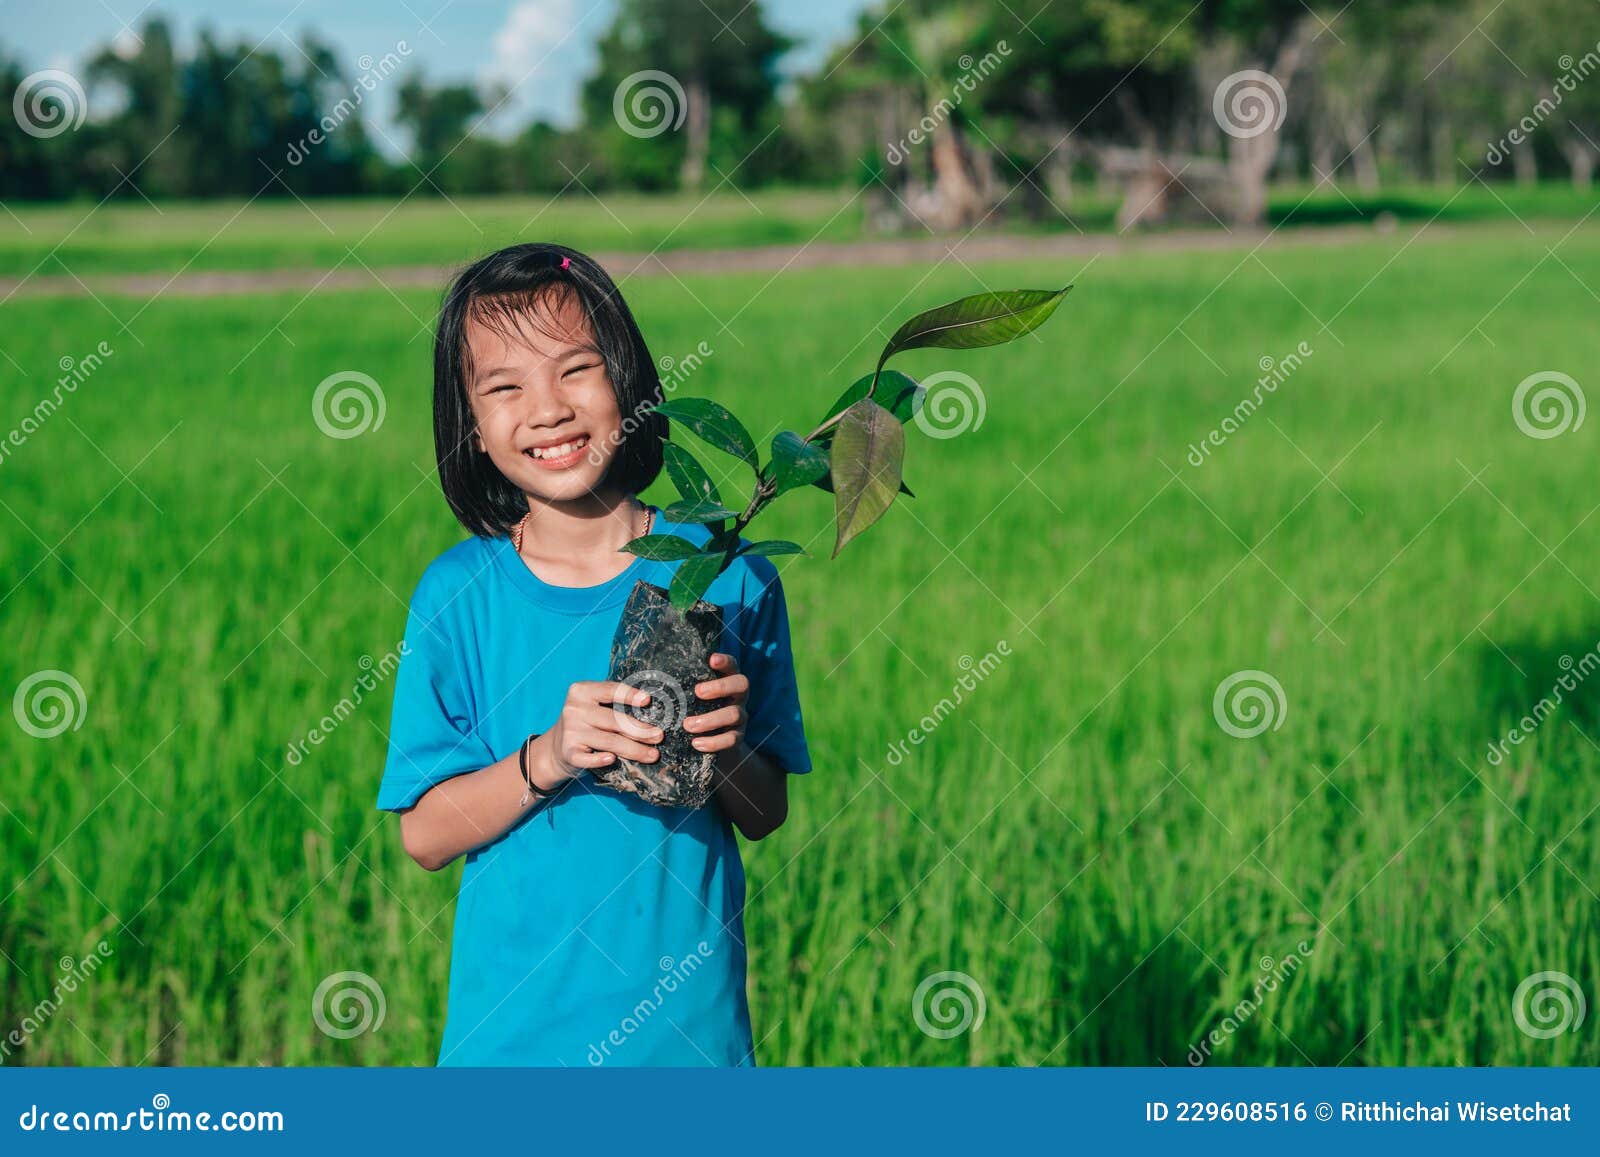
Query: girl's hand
pixel 723 728
pixel 590 732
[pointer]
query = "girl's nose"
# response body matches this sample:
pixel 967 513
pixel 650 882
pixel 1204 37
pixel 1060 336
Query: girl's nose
pixel 546 407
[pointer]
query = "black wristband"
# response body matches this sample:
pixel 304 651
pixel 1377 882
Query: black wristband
pixel 522 762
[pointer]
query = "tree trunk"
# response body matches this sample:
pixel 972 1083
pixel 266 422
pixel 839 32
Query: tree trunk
pixel 1147 200
pixel 1581 156
pixel 960 201
pixel 1250 160
pixel 1323 159
pixel 1443 148
pixel 697 121
pixel 1363 160
pixel 1057 171
pixel 1524 164
pixel 1250 157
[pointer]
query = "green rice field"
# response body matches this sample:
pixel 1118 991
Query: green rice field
pixel 1118 870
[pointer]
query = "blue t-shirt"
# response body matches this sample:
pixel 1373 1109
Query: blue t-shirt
pixel 599 929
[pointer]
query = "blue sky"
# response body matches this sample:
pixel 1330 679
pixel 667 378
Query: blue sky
pixel 543 47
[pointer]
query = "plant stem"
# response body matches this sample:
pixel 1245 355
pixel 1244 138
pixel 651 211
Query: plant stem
pixel 826 426
pixel 766 488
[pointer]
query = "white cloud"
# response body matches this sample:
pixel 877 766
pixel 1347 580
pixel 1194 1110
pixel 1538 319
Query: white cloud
pixel 531 30
pixel 542 51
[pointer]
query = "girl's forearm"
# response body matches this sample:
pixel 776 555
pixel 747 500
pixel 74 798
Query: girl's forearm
pixel 753 790
pixel 468 811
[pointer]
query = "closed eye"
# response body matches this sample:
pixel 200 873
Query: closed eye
pixel 581 369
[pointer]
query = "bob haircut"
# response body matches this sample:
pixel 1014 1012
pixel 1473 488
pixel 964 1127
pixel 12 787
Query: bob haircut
pixel 514 288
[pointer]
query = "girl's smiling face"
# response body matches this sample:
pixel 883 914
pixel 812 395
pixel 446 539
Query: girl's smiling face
pixel 545 409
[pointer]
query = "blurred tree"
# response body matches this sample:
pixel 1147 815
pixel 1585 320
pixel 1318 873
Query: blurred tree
pixel 948 111
pixel 33 166
pixel 718 54
pixel 1544 84
pixel 438 119
pixel 1107 82
pixel 139 141
pixel 232 120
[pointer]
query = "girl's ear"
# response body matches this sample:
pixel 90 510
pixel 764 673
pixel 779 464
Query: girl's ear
pixel 477 442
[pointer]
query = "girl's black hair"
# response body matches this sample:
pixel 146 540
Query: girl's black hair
pixel 507 290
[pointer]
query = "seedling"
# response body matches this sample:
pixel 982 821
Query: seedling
pixel 857 452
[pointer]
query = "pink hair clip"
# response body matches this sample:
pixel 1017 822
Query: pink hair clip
pixel 566 261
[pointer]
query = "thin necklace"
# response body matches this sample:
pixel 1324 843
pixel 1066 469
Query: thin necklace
pixel 516 531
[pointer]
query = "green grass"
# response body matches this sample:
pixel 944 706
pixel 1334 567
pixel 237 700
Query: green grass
pixel 1079 836
pixel 126 236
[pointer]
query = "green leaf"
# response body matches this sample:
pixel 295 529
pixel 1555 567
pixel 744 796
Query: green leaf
pixel 694 577
pixel 662 547
pixel 691 479
pixel 773 546
pixel 866 458
pixel 983 319
pixel 795 462
pixel 713 423
pixel 826 483
pixel 898 393
pixel 697 512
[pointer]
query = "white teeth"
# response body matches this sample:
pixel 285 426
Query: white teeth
pixel 561 451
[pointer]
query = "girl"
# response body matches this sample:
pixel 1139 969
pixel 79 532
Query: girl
pixel 590 928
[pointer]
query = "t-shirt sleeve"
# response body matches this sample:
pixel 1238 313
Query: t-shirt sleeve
pixel 773 723
pixel 431 733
